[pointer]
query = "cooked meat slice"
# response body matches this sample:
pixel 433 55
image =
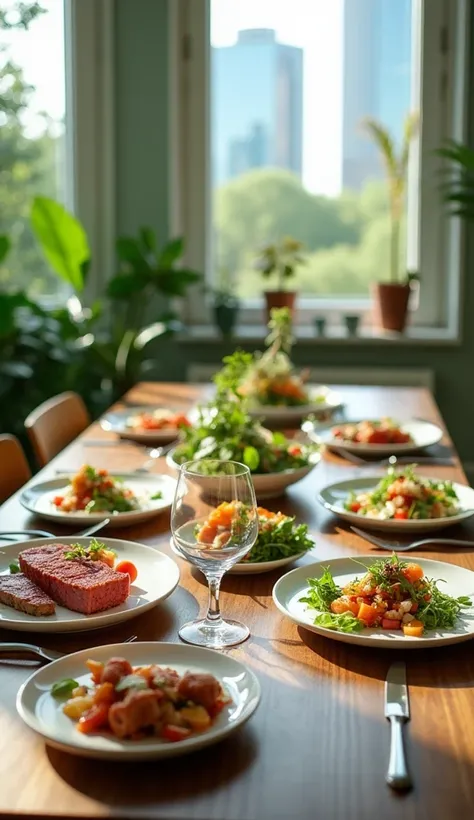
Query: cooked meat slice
pixel 115 669
pixel 79 584
pixel 200 688
pixel 139 710
pixel 22 594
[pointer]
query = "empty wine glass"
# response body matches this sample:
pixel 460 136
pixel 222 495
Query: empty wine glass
pixel 214 524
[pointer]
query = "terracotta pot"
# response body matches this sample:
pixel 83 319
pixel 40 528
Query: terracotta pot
pixel 391 305
pixel 279 299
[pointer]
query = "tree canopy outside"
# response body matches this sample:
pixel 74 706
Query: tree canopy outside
pixel 28 165
pixel 346 237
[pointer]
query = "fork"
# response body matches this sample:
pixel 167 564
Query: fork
pixel 47 655
pixel 397 546
pixel 392 461
pixel 6 536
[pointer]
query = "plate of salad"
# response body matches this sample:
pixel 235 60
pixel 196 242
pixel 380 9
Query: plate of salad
pixel 377 437
pixel 91 495
pixel 270 384
pixel 386 603
pixel 401 500
pixel 146 425
pixel 225 431
pixel 280 542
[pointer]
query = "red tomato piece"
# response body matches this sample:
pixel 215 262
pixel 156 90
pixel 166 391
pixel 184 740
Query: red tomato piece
pixel 401 515
pixel 175 733
pixel 355 506
pixel 128 568
pixel 97 717
pixel 389 624
pixel 58 500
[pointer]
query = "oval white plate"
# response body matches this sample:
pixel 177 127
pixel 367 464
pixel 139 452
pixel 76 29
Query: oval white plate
pixel 293 586
pixel 158 576
pixel 334 496
pixel 38 499
pixel 247 567
pixel 116 422
pixel 423 433
pixel 42 713
pixel 331 402
pixel 267 485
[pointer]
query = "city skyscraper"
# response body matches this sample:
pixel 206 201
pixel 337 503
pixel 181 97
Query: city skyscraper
pixel 376 80
pixel 256 105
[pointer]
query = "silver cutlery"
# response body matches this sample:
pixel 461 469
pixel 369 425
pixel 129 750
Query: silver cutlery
pixel 400 546
pixel 392 461
pixel 14 648
pixel 397 711
pixel 7 535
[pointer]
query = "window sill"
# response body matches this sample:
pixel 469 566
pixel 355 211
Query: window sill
pixel 208 334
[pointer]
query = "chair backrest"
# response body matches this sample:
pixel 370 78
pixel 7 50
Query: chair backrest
pixel 55 423
pixel 14 468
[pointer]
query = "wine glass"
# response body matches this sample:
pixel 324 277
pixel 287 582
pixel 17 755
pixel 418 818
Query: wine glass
pixel 214 523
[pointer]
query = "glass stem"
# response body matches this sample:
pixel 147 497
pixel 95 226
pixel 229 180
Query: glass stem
pixel 214 613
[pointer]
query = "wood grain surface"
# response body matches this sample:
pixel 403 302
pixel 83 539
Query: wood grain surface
pixel 317 746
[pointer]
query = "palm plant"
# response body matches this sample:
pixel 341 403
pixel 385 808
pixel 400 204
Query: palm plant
pixel 457 186
pixel 396 168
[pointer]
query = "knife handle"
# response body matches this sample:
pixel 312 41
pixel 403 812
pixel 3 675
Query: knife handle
pixel 397 774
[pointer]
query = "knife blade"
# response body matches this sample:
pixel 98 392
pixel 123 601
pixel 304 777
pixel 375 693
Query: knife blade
pixel 397 711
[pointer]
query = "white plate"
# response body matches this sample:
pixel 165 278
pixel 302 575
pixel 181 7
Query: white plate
pixel 457 581
pixel 116 422
pixel 158 576
pixel 331 401
pixel 38 499
pixel 247 567
pixel 423 433
pixel 267 485
pixel 42 713
pixel 334 496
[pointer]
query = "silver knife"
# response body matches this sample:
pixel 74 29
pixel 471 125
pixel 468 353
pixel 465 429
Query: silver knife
pixel 397 710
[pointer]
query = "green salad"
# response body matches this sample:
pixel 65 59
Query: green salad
pixel 278 537
pixel 225 431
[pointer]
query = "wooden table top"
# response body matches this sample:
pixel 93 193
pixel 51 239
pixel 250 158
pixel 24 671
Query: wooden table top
pixel 317 747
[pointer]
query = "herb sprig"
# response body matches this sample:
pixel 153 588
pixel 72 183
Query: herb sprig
pixel 91 551
pixel 322 592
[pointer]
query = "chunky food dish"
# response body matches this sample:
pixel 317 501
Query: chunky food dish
pixel 402 496
pixel 391 594
pixel 384 431
pixel 93 491
pixel 138 702
pixel 82 579
pixel 160 419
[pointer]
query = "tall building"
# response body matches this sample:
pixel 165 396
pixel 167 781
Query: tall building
pixel 376 80
pixel 256 105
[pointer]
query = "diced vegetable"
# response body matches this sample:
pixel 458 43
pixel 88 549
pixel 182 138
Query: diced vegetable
pixel 95 668
pixel 96 718
pixel 367 613
pixel 76 707
pixel 414 629
pixel 129 569
pixel 413 572
pixel 175 733
pixel 63 688
pixel 388 623
pixel 197 717
pixel 105 693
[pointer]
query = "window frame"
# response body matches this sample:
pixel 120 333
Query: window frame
pixel 442 67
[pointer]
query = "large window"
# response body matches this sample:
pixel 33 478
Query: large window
pixel 272 140
pixel 32 132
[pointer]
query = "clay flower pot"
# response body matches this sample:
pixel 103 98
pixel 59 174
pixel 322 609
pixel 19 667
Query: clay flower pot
pixel 280 299
pixel 391 305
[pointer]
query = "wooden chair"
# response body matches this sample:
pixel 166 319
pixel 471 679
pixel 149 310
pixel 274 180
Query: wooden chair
pixel 14 468
pixel 55 423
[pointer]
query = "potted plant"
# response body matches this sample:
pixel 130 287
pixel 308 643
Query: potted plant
pixel 391 298
pixel 280 259
pixel 225 305
pixel 457 186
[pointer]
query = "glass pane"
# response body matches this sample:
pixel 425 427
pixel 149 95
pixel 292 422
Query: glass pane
pixel 32 133
pixel 291 84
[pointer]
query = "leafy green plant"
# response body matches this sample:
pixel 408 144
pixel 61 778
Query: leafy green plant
pixel 396 169
pixel 62 239
pixel 280 259
pixel 457 186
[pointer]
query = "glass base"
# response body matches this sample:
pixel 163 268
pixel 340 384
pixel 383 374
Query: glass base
pixel 214 635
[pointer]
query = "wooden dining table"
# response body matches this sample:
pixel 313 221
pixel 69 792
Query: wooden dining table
pixel 318 744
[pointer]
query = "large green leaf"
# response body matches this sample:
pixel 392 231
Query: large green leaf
pixel 170 253
pixel 62 239
pixel 148 239
pixel 5 246
pixel 175 282
pixel 126 284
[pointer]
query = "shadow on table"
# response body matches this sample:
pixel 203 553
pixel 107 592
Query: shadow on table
pixel 156 781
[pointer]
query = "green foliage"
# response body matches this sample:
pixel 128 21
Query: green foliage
pixel 62 239
pixel 5 246
pixel 282 258
pixel 457 185
pixel 280 327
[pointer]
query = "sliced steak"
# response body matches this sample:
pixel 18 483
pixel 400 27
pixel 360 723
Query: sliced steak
pixel 20 593
pixel 79 584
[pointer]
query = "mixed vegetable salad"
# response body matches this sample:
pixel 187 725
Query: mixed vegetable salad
pixel 225 431
pixel 142 701
pixel 402 495
pixel 160 419
pixel 93 491
pixel 392 594
pixel 384 431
